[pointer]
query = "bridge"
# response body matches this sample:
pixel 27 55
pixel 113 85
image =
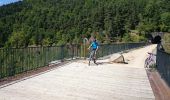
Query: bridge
pixel 76 80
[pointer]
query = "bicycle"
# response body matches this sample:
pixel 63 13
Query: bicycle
pixel 92 56
pixel 150 60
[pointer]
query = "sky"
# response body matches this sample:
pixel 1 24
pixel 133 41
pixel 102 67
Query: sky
pixel 4 2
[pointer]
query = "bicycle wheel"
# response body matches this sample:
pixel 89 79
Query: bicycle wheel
pixel 91 57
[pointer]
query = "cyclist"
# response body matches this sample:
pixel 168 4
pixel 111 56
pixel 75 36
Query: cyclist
pixel 93 47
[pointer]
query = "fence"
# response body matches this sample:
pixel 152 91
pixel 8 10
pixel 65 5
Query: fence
pixel 163 65
pixel 14 61
pixel 107 49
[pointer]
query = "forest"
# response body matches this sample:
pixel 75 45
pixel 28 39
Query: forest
pixel 57 22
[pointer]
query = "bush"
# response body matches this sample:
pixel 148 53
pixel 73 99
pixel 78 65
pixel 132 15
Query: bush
pixel 132 37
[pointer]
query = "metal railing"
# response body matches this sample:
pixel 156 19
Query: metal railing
pixel 14 61
pixel 107 49
pixel 163 65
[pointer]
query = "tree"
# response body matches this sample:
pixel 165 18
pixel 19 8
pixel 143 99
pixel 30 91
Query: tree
pixel 16 40
pixel 42 21
pixel 165 20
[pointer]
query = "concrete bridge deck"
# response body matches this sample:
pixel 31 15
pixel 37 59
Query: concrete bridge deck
pixel 78 81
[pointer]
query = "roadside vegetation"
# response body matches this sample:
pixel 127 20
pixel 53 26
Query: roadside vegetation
pixel 166 43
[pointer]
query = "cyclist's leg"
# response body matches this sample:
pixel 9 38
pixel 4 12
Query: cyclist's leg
pixel 94 57
pixel 91 56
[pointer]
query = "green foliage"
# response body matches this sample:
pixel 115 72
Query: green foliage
pixel 166 40
pixel 16 39
pixel 165 19
pixel 130 38
pixel 133 37
pixel 48 22
pixel 147 28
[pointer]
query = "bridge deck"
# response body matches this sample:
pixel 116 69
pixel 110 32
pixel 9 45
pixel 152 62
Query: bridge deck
pixel 78 81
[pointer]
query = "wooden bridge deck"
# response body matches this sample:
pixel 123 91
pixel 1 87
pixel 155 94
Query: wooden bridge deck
pixel 78 81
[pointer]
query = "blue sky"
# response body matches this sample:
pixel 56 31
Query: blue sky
pixel 4 2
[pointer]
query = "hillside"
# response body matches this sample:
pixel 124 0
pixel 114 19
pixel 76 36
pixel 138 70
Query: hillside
pixel 47 22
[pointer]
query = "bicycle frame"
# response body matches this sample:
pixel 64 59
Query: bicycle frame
pixel 92 56
pixel 150 60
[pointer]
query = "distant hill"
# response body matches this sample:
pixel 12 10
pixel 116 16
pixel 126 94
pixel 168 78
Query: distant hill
pixel 48 22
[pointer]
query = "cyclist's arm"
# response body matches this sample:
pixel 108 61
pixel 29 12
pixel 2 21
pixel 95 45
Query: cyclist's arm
pixel 97 48
pixel 89 46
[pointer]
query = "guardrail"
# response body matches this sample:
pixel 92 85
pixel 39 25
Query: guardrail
pixel 14 61
pixel 107 49
pixel 163 65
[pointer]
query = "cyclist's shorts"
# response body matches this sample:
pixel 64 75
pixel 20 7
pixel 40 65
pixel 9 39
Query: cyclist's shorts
pixel 94 49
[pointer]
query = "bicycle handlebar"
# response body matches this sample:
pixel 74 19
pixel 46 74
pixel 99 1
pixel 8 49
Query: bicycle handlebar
pixel 151 54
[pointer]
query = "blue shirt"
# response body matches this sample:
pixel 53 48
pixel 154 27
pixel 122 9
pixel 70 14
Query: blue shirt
pixel 94 45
